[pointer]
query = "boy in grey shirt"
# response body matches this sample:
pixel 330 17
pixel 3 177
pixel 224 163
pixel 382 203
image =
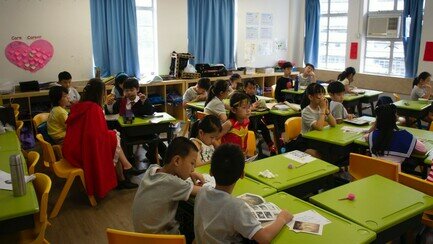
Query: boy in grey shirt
pixel 221 218
pixel 195 93
pixel 155 203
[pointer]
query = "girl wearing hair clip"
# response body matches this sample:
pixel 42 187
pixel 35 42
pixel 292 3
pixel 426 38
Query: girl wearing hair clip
pixel 214 103
pixel 388 142
pixel 237 124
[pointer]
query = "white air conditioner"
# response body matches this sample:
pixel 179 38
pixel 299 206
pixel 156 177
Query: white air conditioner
pixel 384 26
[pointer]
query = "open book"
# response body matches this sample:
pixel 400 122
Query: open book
pixel 361 120
pixel 262 210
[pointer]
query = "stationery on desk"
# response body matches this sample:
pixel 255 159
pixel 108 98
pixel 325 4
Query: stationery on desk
pixel 308 221
pixel 6 182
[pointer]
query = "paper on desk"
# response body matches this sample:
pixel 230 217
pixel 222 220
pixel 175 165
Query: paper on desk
pixel 356 130
pixel 309 222
pixel 209 180
pixel 271 105
pixel 299 156
pixel 5 178
pixel 293 106
pixel 111 117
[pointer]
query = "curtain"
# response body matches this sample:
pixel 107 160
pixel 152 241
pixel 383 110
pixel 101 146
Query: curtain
pixel 411 43
pixel 211 25
pixel 312 29
pixel 114 36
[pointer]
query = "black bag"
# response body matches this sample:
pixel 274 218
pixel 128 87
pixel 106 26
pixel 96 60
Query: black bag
pixel 7 116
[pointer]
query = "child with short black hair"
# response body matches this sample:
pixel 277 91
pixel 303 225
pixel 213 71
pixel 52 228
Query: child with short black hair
pixel 64 79
pixel 196 93
pixel 214 103
pixel 307 76
pixel 118 85
pixel 155 203
pixel 56 123
pixel 336 90
pixel 204 134
pixel 284 82
pixel 222 218
pixel 235 84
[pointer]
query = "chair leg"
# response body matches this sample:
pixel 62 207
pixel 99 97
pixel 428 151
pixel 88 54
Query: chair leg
pixel 62 196
pixel 91 197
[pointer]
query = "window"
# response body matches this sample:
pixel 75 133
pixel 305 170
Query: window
pixel 384 56
pixel 146 34
pixel 333 34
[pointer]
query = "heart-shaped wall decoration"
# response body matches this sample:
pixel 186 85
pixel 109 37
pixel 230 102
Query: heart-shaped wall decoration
pixel 31 58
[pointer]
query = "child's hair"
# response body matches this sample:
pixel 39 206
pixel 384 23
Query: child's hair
pixel 312 89
pixel 250 82
pixel 384 100
pixel 336 87
pixel 310 65
pixel 131 83
pixel 227 164
pixel 385 124
pixel 94 91
pixel 235 76
pixel 204 83
pixel 181 146
pixel 64 75
pixel 119 80
pixel 237 99
pixel 343 75
pixel 287 65
pixel 218 87
pixel 209 124
pixel 422 76
pixel 56 93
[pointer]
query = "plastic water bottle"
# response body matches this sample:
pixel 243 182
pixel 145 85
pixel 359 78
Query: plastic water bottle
pixel 296 87
pixel 17 175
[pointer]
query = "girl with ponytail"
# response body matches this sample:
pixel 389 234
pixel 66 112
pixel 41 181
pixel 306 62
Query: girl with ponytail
pixel 421 86
pixel 346 77
pixel 214 103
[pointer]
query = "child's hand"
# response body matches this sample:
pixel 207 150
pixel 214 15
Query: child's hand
pixel 255 105
pixel 312 74
pixel 197 178
pixel 285 216
pixel 110 99
pixel 350 116
pixel 142 97
pixel 427 86
pixel 324 104
pixel 201 97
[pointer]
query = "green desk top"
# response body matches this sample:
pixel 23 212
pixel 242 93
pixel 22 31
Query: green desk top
pixel 371 93
pixel 147 121
pixel 380 203
pixel 288 178
pixel 200 105
pixel 292 91
pixel 334 135
pixel 11 206
pixel 9 142
pixel 289 112
pixel 338 231
pixel 412 105
pixel 245 185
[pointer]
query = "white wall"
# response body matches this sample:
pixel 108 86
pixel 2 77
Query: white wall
pixel 296 32
pixel 280 11
pixel 427 35
pixel 172 28
pixel 66 24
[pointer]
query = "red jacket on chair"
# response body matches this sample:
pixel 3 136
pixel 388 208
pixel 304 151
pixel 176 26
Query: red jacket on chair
pixel 91 146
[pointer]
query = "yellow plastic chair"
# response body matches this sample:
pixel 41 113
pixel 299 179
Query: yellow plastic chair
pixel 292 128
pixel 64 170
pixel 19 126
pixel 251 144
pixel 361 166
pixel 42 185
pixel 423 186
pixel 121 237
pixel 32 160
pixel 40 118
pixel 15 106
pixel 430 128
pixel 396 97
pixel 273 90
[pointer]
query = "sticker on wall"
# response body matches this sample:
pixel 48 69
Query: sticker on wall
pixel 31 58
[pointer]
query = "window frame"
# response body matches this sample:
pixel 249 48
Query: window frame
pixel 155 42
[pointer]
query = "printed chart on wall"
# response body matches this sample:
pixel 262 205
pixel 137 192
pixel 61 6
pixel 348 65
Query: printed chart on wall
pixel 259 37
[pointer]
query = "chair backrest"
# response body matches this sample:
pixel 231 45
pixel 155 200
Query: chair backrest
pixel 361 166
pixel 39 118
pixel 273 90
pixel 19 126
pixel 42 185
pixel 121 237
pixel 47 150
pixel 251 143
pixel 430 128
pixel 15 106
pixel 396 96
pixel 292 128
pixel 200 115
pixel 416 183
pixel 32 160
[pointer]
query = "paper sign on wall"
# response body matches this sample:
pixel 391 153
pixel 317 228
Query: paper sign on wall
pixel 428 52
pixel 31 58
pixel 353 50
pixel 252 19
pixel 252 32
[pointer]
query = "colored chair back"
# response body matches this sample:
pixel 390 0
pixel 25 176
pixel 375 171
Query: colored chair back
pixel 396 96
pixel 273 90
pixel 19 126
pixel 200 115
pixel 15 106
pixel 292 128
pixel 32 160
pixel 121 237
pixel 361 166
pixel 48 154
pixel 430 128
pixel 39 118
pixel 251 143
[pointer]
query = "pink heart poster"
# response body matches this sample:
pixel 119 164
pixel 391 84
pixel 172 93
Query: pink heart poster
pixel 31 58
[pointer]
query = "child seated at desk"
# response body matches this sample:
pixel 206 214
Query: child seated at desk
pixel 195 93
pixel 155 203
pixel 140 106
pixel 221 218
pixel 250 87
pixel 284 82
pixel 56 123
pixel 336 90
pixel 235 84
pixel 307 76
pixel 118 85
pixel 346 77
pixel 204 134
pixel 421 88
pixel 65 79
pixel 214 103
pixel 388 142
